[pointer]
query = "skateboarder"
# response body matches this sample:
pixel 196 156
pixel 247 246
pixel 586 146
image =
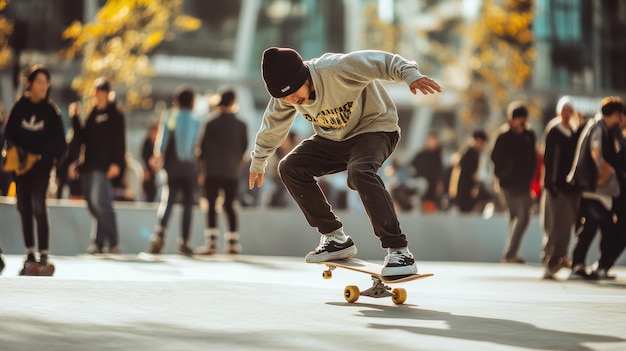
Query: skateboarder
pixel 356 129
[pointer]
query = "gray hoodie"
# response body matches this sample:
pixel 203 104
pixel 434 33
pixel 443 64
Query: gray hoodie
pixel 350 100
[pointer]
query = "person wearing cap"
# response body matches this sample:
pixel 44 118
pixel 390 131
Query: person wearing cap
pixel 356 129
pixel 222 149
pixel 514 157
pixel 36 127
pixel 560 201
pixel 103 136
pixel 175 151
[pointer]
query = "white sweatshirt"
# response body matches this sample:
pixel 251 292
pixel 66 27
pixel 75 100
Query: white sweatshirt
pixel 350 100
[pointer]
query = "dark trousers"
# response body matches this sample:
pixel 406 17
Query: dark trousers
pixel 619 209
pixel 212 185
pixel 520 206
pixel 559 213
pixel 31 189
pixel 98 193
pixel 175 185
pixel 594 216
pixel 361 156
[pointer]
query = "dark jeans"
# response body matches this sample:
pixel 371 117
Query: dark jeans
pixel 619 208
pixel 595 216
pixel 98 193
pixel 520 206
pixel 361 156
pixel 211 187
pixel 31 189
pixel 175 185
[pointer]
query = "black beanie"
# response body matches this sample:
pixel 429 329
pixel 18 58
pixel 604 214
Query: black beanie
pixel 283 71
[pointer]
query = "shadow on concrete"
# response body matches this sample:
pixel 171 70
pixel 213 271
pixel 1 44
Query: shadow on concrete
pixel 40 334
pixel 492 330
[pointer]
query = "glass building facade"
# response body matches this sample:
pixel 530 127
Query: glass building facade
pixel 579 44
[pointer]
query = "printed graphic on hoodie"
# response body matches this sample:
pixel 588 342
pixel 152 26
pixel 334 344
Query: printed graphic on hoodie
pixel 103 117
pixel 333 118
pixel 32 125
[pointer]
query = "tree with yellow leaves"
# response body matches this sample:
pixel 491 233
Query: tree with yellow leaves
pixel 6 29
pixel 503 53
pixel 117 43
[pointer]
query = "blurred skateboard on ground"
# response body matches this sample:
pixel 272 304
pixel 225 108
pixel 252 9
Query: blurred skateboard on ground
pixel 379 288
pixel 47 270
pixel 36 269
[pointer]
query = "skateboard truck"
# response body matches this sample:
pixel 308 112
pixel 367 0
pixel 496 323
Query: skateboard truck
pixel 378 289
pixel 379 286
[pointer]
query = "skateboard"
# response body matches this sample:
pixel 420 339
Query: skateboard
pixel 47 270
pixel 379 288
pixel 38 270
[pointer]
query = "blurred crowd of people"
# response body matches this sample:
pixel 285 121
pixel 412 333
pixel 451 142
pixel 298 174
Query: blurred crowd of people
pixel 184 157
pixel 573 176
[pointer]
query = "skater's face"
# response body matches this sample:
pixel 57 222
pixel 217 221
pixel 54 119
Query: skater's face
pixel 300 96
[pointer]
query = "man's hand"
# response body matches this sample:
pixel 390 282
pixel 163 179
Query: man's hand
pixel 255 177
pixel 201 178
pixel 425 85
pixel 156 162
pixel 74 109
pixel 72 171
pixel 114 171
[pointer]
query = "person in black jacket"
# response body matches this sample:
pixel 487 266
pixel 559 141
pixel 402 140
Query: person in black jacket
pixel 35 126
pixel 6 178
pixel 514 157
pixel 615 249
pixel 560 201
pixel 104 139
pixel 468 187
pixel 598 151
pixel 428 164
pixel 149 185
pixel 222 150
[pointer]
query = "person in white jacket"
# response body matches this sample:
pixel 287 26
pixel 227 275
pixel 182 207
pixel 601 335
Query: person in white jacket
pixel 356 129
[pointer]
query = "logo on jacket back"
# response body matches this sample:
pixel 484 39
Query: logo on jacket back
pixel 334 118
pixel 103 117
pixel 31 125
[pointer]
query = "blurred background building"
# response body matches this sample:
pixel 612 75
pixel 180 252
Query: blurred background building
pixel 578 48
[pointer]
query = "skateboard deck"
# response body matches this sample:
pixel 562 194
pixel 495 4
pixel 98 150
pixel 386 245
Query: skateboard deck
pixel 378 289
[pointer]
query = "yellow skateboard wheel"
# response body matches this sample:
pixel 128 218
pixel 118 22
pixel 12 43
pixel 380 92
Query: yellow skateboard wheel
pixel 351 293
pixel 399 296
pixel 327 274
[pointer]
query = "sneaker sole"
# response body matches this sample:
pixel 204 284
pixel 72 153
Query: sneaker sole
pixel 391 271
pixel 337 255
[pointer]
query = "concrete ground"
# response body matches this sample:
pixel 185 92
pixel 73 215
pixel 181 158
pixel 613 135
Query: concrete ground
pixel 282 303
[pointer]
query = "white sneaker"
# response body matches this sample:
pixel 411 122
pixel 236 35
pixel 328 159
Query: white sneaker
pixel 399 262
pixel 330 248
